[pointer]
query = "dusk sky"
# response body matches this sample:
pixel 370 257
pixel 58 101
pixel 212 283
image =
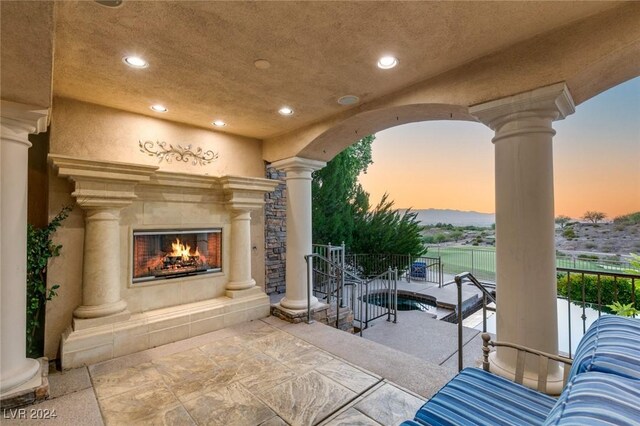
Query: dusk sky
pixel 450 164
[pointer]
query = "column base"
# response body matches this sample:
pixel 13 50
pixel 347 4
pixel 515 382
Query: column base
pixel 295 304
pixel 98 311
pixel 237 294
pixel 84 323
pixel 318 312
pixel 241 285
pixel 18 376
pixel 34 389
pixel 554 380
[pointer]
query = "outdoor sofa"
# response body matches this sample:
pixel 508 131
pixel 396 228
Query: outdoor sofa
pixel 602 387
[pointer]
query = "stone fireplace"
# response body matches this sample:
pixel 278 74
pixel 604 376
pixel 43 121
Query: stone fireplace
pixel 161 256
pixel 174 253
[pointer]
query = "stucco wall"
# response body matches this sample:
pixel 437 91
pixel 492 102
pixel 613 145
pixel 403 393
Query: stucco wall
pixel 94 132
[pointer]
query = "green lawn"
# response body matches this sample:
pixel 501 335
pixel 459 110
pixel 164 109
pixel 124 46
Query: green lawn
pixel 480 261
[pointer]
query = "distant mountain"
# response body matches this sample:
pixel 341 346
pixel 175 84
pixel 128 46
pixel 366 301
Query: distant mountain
pixel 455 217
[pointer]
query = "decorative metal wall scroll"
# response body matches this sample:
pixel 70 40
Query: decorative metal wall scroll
pixel 168 152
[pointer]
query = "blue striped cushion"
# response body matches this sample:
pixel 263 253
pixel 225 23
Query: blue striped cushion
pixel 476 397
pixel 595 398
pixel 610 345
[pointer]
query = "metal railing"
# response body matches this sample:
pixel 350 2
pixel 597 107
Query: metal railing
pixel 374 298
pixel 416 268
pixel 325 282
pixel 588 295
pixel 486 295
pixel 481 262
pixel 592 293
pixel 368 298
pixel 456 260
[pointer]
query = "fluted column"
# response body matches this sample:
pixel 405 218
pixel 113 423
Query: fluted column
pixel 101 264
pixel 299 229
pixel 525 247
pixel 17 122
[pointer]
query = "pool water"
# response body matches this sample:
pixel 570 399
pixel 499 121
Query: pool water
pixel 405 303
pixel 564 311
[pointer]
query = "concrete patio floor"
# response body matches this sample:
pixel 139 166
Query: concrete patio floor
pixel 266 372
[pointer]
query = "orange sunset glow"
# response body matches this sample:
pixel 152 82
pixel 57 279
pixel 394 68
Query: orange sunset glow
pixel 450 164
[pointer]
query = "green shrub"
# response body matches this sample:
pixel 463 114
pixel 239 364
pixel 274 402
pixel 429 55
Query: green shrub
pixel 629 219
pixel 569 233
pixel 626 310
pixel 40 248
pixel 610 290
pixel 588 257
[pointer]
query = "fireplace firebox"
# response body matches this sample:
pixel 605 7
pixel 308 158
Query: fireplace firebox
pixel 163 254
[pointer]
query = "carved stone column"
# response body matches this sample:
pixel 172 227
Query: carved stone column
pixel 525 248
pixel 299 229
pixel 101 189
pixel 242 196
pixel 17 122
pixel 101 264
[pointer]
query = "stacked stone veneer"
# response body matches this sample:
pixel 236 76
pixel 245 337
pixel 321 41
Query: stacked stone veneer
pixel 275 234
pixel 326 314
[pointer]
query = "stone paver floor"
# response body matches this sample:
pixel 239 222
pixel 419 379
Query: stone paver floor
pixel 252 374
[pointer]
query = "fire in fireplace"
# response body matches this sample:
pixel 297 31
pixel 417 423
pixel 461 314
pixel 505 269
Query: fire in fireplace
pixel 176 253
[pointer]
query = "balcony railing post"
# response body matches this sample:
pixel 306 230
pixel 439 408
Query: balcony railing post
pixel 309 260
pixel 389 295
pixel 458 280
pixel 569 308
pixel 339 286
pixel 484 313
pixel 473 270
pixel 395 296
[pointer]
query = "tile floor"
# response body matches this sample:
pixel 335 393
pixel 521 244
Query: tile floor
pixel 261 376
pixel 252 374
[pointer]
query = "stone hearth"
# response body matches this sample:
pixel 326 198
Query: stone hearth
pixel 119 317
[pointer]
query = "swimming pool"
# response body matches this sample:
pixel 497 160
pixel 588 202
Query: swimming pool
pixel 564 311
pixel 405 302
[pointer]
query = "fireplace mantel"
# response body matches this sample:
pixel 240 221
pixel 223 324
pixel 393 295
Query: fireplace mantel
pixel 116 317
pixel 116 181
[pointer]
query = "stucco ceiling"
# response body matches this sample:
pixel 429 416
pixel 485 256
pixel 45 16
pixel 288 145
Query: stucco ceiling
pixel 201 54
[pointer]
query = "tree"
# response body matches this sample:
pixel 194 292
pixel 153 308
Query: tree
pixel 387 230
pixel 336 193
pixel 457 234
pixel 562 220
pixel 594 216
pixel 342 212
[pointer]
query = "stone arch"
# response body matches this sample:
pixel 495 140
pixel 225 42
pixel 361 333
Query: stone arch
pixel 342 134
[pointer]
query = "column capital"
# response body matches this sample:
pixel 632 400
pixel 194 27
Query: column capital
pixel 19 120
pixel 244 194
pixel 547 103
pixel 302 167
pixel 101 184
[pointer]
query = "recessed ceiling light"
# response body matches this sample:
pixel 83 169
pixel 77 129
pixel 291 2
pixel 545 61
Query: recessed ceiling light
pixel 219 123
pixel 262 64
pixel 285 111
pixel 135 62
pixel 159 108
pixel 348 100
pixel 387 62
